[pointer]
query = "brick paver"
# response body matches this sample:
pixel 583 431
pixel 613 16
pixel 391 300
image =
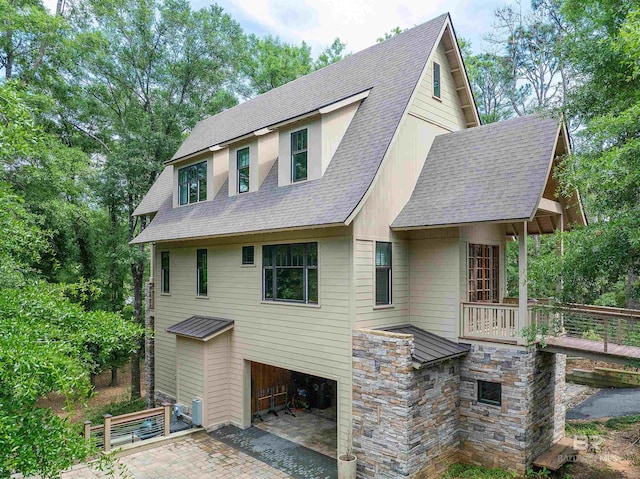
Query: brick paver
pixel 194 457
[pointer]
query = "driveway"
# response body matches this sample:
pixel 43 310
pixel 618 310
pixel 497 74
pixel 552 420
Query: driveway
pixel 194 457
pixel 608 403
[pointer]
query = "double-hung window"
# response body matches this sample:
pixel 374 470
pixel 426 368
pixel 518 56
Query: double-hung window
pixel 299 155
pixel 436 80
pixel 383 273
pixel 192 183
pixel 484 273
pixel 290 272
pixel 164 272
pixel 242 160
pixel 201 272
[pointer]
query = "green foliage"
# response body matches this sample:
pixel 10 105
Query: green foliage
pixel 623 422
pixel 272 62
pixel 591 428
pixel 466 471
pixel 124 406
pixel 390 34
pixel 333 53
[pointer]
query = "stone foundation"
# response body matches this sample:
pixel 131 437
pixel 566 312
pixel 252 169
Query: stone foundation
pixel 405 421
pixel 529 419
pixel 414 423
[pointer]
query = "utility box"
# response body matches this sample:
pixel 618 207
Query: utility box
pixel 196 412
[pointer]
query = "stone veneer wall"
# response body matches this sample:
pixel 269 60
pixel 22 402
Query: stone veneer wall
pixel 529 420
pixel 405 421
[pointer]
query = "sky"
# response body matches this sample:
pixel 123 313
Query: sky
pixel 358 23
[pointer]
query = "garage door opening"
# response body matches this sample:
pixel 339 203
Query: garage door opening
pixel 296 406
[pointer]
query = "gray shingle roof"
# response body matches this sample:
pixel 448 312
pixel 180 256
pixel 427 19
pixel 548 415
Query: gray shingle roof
pixel 430 348
pixel 391 69
pixel 200 327
pixel 155 197
pixel 490 173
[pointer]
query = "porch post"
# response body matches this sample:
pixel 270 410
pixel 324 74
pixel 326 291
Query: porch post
pixel 522 280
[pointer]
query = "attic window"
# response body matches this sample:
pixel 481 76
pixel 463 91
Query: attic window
pixel 242 157
pixel 436 80
pixel 192 183
pixel 299 155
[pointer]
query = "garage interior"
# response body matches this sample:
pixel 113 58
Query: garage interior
pixel 296 406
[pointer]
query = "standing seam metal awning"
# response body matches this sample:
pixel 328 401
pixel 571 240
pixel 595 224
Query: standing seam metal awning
pixel 430 348
pixel 201 327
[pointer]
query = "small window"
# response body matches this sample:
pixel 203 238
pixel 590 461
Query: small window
pixel 201 275
pixel 299 155
pixel 247 255
pixel 436 80
pixel 383 273
pixel 192 183
pixel 490 393
pixel 242 157
pixel 164 272
pixel 290 272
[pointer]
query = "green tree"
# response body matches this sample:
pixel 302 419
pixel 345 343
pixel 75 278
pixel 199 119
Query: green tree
pixel 333 53
pixel 270 62
pixel 142 75
pixel 606 166
pixel 390 34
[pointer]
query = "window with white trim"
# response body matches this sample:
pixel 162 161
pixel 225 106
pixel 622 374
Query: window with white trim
pixel 192 183
pixel 383 273
pixel 299 170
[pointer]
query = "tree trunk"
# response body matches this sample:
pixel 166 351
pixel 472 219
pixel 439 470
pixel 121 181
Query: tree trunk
pixel 8 66
pixel 149 358
pixel 632 301
pixel 114 377
pixel 137 274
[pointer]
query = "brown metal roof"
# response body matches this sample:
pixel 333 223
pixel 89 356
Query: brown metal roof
pixel 200 327
pixel 430 348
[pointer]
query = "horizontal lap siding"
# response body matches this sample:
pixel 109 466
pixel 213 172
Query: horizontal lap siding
pixel 435 285
pixel 446 112
pixel 366 315
pixel 314 340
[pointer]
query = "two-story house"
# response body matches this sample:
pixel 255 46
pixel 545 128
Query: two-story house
pixel 351 225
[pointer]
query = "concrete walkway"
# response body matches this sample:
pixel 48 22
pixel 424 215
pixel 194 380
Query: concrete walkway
pixel 194 457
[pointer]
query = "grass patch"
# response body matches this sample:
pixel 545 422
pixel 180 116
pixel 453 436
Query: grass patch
pixel 465 471
pixel 583 428
pixel 96 416
pixel 621 423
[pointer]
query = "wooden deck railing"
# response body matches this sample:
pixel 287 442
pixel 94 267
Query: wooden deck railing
pixel 129 428
pixel 490 321
pixel 500 321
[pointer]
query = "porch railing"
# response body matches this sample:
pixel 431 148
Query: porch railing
pixel 490 321
pixel 129 428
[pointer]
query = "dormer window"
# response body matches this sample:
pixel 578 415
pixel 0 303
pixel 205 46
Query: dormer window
pixel 436 80
pixel 242 161
pixel 192 183
pixel 299 155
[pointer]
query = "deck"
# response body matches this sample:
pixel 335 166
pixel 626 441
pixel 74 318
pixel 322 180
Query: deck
pixel 597 332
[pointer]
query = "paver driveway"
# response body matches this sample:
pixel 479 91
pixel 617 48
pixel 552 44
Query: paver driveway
pixel 194 457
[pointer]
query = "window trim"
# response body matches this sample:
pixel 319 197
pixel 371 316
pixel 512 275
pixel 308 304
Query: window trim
pixel 165 283
pixel 490 402
pixel 389 273
pixel 495 274
pixel 437 81
pixel 248 168
pixel 305 280
pixel 199 292
pixel 253 255
pixel 201 194
pixel 294 152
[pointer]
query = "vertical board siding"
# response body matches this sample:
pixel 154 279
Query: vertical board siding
pixel 435 283
pixel 306 338
pixel 217 380
pixel 367 316
pixel 189 363
pixel 447 111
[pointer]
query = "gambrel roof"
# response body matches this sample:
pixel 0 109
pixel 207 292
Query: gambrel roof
pixel 390 70
pixel 494 172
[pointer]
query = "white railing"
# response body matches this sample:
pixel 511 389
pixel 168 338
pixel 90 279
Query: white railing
pixel 490 321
